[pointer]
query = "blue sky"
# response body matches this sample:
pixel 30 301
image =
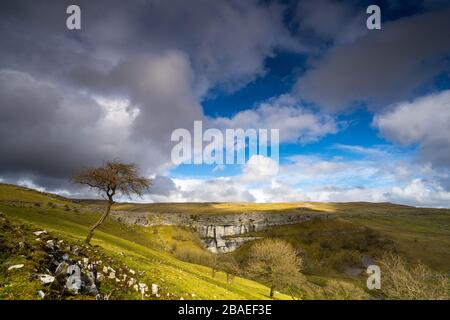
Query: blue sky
pixel 356 141
pixel 281 73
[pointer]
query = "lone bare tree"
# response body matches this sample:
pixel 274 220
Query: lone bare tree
pixel 275 262
pixel 110 179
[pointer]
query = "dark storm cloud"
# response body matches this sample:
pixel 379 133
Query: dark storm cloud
pixel 382 67
pixel 38 125
pixel 162 186
pixel 330 20
pixel 226 41
pixel 156 59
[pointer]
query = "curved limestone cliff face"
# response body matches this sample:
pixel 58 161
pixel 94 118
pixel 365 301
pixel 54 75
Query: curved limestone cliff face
pixel 220 233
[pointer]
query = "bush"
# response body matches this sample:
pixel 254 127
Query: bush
pixel 400 280
pixel 179 235
pixel 344 259
pixel 327 244
pixel 276 263
pixel 192 255
pixel 51 205
pixel 307 238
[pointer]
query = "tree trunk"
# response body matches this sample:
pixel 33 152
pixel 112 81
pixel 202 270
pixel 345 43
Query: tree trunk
pixel 292 295
pixel 99 222
pixel 228 278
pixel 271 291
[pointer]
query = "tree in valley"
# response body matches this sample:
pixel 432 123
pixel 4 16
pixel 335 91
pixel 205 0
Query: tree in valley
pixel 225 263
pixel 229 266
pixel 214 263
pixel 275 262
pixel 109 180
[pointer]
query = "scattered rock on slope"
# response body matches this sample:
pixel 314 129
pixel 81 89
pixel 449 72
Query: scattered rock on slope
pixel 54 268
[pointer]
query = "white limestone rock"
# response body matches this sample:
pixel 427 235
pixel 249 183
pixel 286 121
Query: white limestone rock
pixel 155 289
pixel 16 266
pixel 45 278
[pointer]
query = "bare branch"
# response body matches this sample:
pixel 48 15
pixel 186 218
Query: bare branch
pixel 109 179
pixel 112 178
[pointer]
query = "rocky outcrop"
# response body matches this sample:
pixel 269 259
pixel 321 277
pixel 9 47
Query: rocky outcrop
pixel 222 245
pixel 220 233
pixel 61 268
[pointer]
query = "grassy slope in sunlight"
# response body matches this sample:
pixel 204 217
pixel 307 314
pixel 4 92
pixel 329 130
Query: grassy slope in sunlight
pixel 138 247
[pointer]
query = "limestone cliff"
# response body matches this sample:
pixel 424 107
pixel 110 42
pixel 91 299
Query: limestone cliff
pixel 220 233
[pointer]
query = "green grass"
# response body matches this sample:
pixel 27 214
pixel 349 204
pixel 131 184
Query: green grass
pixel 351 208
pixel 330 243
pixel 138 247
pixel 329 246
pixel 424 237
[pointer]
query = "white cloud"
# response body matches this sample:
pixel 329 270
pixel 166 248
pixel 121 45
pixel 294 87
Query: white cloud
pixel 382 176
pixel 259 168
pixel 29 184
pixel 296 123
pixel 277 191
pixel 425 122
pixel 213 190
pixel 420 193
pixel 369 151
pixel 314 171
pixel 416 193
pixel 332 194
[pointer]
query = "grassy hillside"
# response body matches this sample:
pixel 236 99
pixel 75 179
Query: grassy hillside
pixel 332 248
pixel 139 248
